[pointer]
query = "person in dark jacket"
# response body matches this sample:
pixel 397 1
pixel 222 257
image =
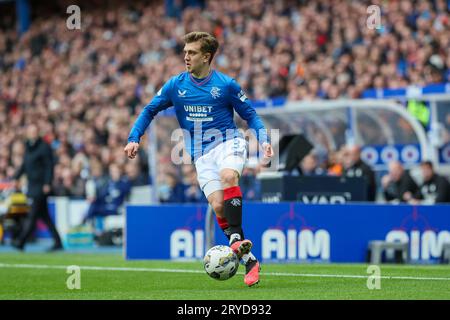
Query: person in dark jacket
pixel 355 167
pixel 173 190
pixel 398 185
pixel 309 166
pixel 435 188
pixel 109 194
pixel 38 167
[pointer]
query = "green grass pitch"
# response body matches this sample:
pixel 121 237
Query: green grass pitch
pixel 109 276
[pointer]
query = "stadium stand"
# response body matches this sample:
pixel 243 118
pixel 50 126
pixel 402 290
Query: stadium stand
pixel 85 91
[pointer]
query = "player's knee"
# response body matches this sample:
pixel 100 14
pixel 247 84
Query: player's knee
pixel 217 206
pixel 229 178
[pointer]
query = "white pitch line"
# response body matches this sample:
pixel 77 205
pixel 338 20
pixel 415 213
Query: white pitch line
pixel 276 274
pixel 352 276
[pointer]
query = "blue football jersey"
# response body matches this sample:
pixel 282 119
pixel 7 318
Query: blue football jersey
pixel 204 109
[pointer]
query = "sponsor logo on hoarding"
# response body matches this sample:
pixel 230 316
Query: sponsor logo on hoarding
pixel 272 197
pixel 293 245
pixel 425 241
pixel 189 241
pixel 187 244
pixel 293 239
pixel 314 198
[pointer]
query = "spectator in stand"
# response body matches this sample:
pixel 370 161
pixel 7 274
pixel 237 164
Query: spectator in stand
pixel 434 189
pixel 171 189
pixel 83 86
pixel 250 185
pixel 96 182
pixel 135 176
pixel 63 182
pixel 309 166
pixel 398 185
pixel 355 167
pixel 110 196
pixel 335 167
pixel 192 191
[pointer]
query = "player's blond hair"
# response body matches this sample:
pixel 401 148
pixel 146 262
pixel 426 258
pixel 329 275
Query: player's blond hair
pixel 209 43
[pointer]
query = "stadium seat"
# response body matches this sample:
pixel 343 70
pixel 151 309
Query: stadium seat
pixel 376 249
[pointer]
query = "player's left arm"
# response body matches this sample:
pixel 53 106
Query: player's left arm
pixel 243 107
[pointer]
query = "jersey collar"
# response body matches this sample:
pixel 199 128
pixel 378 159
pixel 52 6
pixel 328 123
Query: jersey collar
pixel 205 80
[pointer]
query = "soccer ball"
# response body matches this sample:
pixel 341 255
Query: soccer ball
pixel 221 263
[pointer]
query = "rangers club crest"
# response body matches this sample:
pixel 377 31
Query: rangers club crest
pixel 236 202
pixel 215 92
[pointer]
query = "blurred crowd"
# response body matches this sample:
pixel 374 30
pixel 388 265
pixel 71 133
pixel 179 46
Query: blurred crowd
pixel 84 88
pixel 395 186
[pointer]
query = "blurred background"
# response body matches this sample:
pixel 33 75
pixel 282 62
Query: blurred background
pixel 371 102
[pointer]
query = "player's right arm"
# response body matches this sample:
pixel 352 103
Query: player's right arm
pixel 159 102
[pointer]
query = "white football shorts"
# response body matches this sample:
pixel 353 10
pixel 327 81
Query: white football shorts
pixel 231 154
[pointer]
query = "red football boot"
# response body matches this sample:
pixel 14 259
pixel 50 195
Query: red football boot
pixel 241 247
pixel 252 269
